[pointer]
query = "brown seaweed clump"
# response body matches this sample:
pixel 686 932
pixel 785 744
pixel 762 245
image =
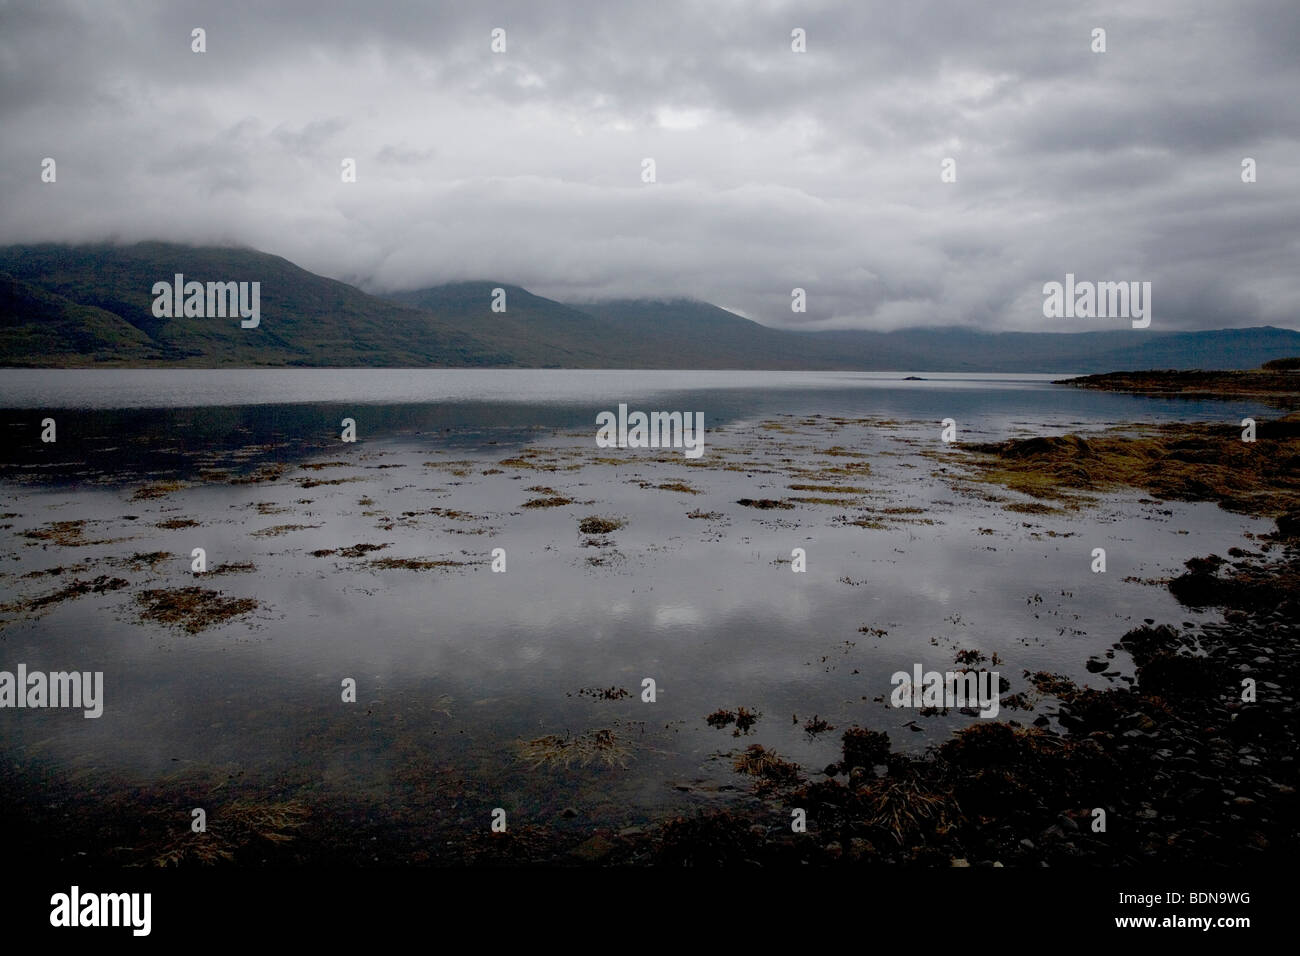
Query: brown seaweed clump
pixel 352 551
pixel 147 559
pixel 192 609
pixel 743 718
pixel 596 746
pixel 904 806
pixel 712 840
pixel 597 525
pixel 73 589
pixel 275 530
pixel 66 534
pixel 157 489
pixel 814 725
pixel 771 769
pixel 1186 462
pixel 175 524
pixel 1212 581
pixel 720 718
pixel 231 831
pixel 680 486
pixel 604 693
pixel 414 564
pixel 863 748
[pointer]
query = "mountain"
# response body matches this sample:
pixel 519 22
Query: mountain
pixel 535 331
pixel 682 333
pixel 308 320
pixel 970 350
pixel 676 333
pixel 92 305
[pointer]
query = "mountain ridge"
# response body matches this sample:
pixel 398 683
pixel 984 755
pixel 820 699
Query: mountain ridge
pixel 86 305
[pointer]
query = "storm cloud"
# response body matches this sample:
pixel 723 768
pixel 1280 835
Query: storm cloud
pixel 775 169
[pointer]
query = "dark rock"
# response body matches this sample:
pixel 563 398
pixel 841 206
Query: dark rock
pixel 1288 525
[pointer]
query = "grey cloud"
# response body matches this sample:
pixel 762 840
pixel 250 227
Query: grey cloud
pixel 775 169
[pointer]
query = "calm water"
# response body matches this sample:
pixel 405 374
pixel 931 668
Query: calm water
pixel 456 666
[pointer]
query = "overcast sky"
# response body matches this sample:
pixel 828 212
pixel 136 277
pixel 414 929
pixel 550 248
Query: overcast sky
pixel 775 169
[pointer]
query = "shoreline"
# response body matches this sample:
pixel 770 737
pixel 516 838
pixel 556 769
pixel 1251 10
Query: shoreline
pixel 1277 387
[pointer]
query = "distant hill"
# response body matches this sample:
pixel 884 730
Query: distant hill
pixel 91 305
pixel 695 334
pixel 969 350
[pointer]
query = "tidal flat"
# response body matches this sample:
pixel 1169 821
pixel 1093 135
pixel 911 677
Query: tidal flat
pixel 524 689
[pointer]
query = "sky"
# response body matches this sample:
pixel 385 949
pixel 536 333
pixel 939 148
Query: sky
pixel 774 169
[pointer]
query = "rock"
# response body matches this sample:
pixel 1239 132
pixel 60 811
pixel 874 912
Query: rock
pixel 833 850
pixel 568 813
pixel 959 862
pixel 593 850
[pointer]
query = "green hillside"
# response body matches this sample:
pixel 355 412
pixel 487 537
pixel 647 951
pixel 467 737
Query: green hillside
pixel 306 319
pixel 40 328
